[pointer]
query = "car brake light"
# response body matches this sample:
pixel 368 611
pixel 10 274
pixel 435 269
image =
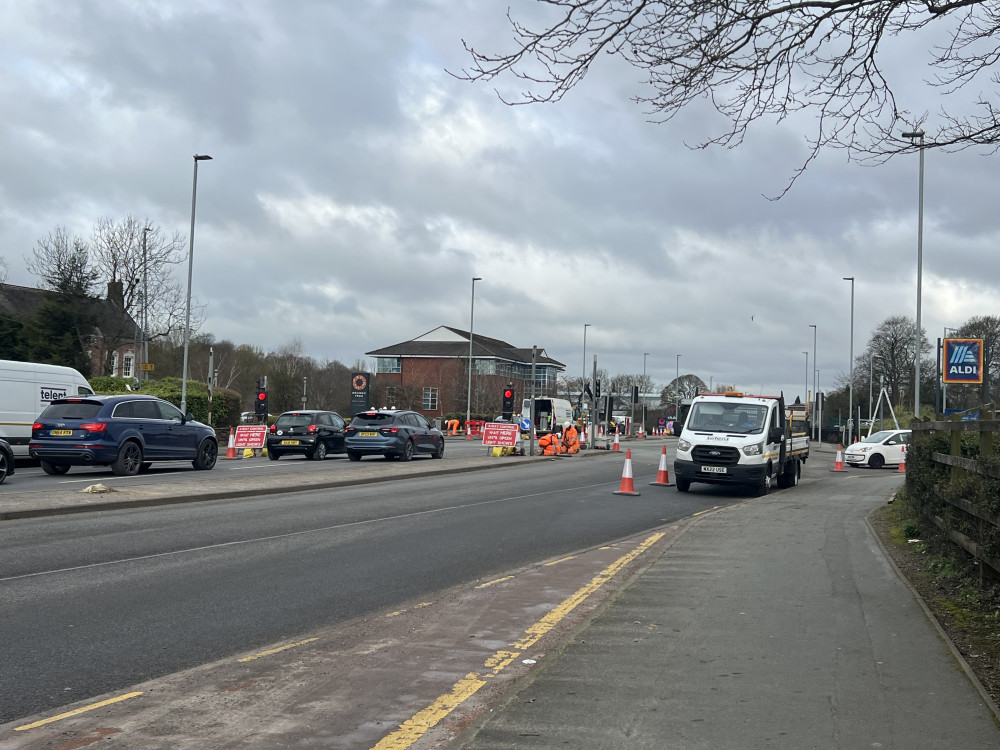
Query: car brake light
pixel 312 429
pixel 36 426
pixel 94 426
pixel 272 429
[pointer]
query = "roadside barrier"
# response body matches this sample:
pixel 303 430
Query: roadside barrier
pixel 662 475
pixel 231 450
pixel 839 463
pixel 627 486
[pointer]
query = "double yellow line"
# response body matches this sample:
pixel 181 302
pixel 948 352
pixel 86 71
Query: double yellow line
pixel 423 721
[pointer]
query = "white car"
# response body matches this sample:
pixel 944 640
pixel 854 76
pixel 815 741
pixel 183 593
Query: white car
pixel 879 449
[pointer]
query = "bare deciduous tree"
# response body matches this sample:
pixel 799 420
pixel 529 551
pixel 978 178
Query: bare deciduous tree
pixel 144 268
pixel 752 59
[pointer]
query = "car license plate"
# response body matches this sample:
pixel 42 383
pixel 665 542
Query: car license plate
pixel 289 442
pixel 714 469
pixel 62 433
pixel 367 434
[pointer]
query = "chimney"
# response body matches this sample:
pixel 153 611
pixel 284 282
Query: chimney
pixel 116 293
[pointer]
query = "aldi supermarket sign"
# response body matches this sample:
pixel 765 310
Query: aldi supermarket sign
pixel 963 361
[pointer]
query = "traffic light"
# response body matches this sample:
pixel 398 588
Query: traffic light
pixel 508 404
pixel 260 406
pixel 597 389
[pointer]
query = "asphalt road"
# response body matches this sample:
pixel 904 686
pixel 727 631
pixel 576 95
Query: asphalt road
pixel 98 602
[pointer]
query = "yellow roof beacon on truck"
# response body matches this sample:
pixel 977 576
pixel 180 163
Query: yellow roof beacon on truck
pixel 738 439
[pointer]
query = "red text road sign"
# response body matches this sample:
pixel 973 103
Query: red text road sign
pixel 963 361
pixel 501 434
pixel 250 436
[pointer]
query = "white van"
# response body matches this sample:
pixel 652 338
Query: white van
pixel 550 414
pixel 26 388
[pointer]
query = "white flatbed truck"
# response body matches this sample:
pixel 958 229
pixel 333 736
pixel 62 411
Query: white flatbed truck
pixel 744 440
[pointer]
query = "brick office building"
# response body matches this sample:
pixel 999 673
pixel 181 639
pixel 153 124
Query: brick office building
pixel 430 373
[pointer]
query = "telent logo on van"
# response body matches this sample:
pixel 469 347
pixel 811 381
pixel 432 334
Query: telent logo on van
pixel 48 394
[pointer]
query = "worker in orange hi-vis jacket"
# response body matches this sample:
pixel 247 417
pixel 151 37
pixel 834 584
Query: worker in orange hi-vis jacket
pixel 570 438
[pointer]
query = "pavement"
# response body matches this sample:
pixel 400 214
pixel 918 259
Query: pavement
pixel 776 623
pixel 779 622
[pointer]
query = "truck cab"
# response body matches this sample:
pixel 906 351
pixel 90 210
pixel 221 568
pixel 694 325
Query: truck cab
pixel 742 440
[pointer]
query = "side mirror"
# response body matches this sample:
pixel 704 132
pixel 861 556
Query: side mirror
pixel 775 435
pixel 189 417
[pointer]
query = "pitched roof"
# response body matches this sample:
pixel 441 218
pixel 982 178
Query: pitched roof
pixel 445 341
pixel 19 302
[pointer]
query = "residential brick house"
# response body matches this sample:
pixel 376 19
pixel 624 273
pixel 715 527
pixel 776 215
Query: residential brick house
pixel 430 373
pixel 112 344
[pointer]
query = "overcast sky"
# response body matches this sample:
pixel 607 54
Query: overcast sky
pixel 356 188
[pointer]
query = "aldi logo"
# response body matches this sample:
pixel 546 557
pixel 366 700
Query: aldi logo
pixel 963 361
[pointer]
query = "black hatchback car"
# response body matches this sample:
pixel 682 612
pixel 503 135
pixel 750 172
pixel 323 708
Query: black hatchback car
pixel 313 434
pixel 126 432
pixel 395 434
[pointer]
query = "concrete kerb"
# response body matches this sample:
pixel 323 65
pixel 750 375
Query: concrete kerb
pixel 288 484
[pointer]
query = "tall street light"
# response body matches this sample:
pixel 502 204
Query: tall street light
pixel 815 384
pixel 677 390
pixel 914 136
pixel 806 400
pixel 644 355
pixel 187 307
pixel 850 369
pixel 145 305
pixel 472 315
pixel 583 383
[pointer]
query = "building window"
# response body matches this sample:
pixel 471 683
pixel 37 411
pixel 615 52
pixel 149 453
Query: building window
pixel 389 364
pixel 430 399
pixel 127 365
pixel 390 397
pixel 114 364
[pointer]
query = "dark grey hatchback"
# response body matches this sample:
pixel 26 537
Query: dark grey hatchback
pixel 392 433
pixel 313 434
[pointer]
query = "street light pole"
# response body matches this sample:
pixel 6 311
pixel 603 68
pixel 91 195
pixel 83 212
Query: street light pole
pixel 644 355
pixel 677 390
pixel 871 380
pixel 187 306
pixel 472 315
pixel 806 400
pixel 918 135
pixel 850 369
pixel 145 305
pixel 815 396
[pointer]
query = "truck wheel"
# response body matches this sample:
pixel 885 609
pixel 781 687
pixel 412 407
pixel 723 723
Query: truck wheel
pixel 683 485
pixel 764 486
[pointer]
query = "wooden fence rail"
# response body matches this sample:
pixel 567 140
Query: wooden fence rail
pixel 968 514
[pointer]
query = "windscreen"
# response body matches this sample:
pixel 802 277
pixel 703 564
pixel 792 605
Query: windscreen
pixel 373 420
pixel 293 420
pixel 71 410
pixel 734 418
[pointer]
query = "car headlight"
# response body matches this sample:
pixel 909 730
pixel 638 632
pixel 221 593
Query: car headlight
pixel 683 446
pixel 862 449
pixel 753 450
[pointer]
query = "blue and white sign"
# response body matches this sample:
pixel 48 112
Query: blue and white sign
pixel 525 424
pixel 963 361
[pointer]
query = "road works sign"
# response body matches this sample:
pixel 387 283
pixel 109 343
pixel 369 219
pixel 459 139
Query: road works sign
pixel 963 361
pixel 501 433
pixel 250 436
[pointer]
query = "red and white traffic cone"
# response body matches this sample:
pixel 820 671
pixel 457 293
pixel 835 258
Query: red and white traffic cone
pixel 662 475
pixel 616 446
pixel 231 450
pixel 902 462
pixel 839 463
pixel 627 487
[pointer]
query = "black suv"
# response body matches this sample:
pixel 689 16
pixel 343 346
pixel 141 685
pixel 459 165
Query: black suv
pixel 392 433
pixel 313 434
